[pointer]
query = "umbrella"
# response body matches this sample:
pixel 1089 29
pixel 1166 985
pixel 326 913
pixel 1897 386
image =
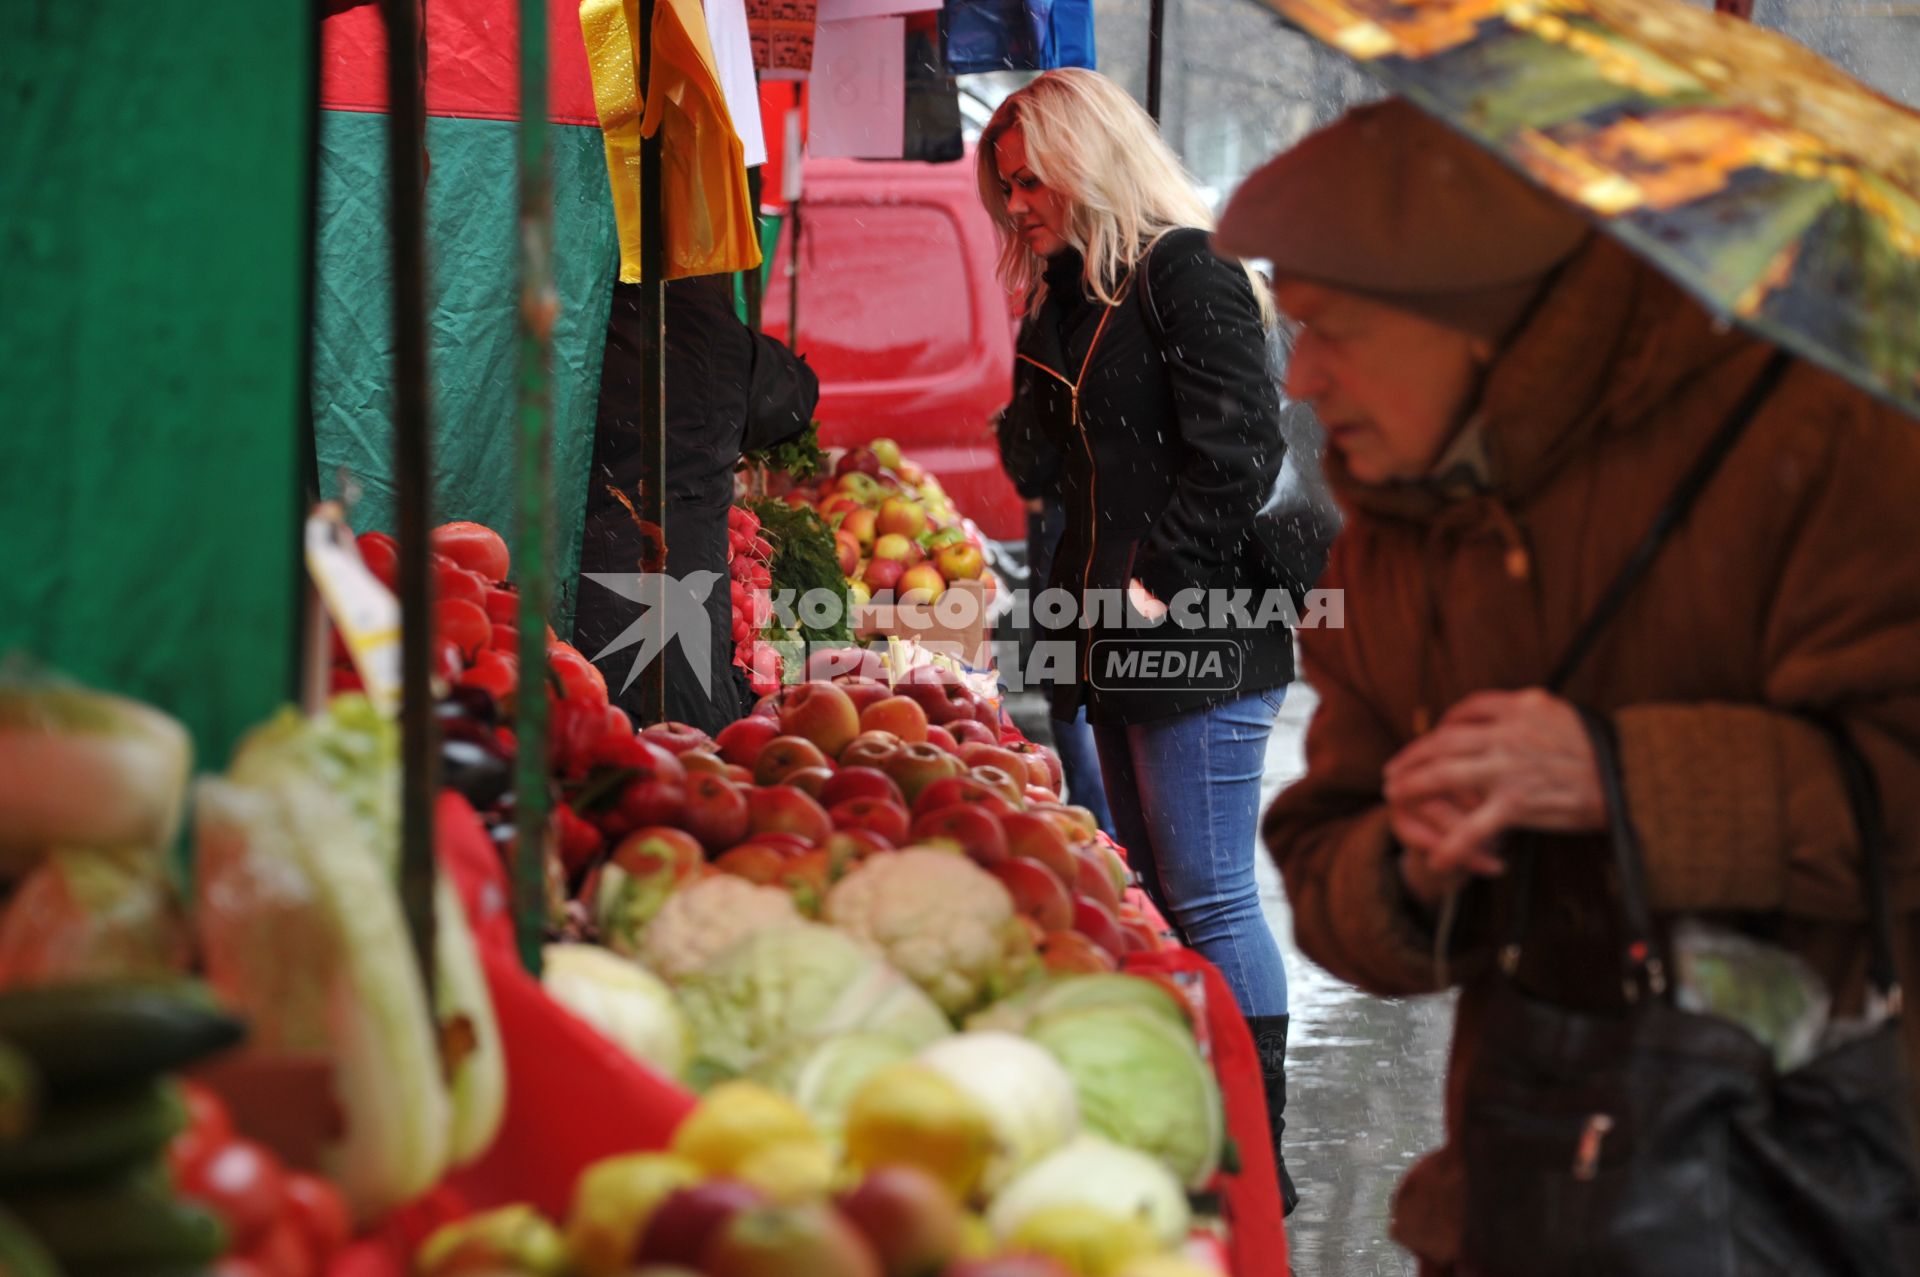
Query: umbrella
pixel 1781 192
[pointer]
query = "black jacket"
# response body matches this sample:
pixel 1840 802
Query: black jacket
pixel 1176 449
pixel 729 390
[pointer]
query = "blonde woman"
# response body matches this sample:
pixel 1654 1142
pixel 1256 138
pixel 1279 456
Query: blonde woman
pixel 1142 361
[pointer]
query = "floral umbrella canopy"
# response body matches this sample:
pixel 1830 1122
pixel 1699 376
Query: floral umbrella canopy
pixel 1779 190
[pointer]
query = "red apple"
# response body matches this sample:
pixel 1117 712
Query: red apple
pixel 917 766
pixel 784 755
pixel 960 561
pixel 1039 794
pixel 739 775
pixel 861 523
pixel 971 731
pixel 859 459
pixel 1036 838
pixel 902 517
pixel 675 738
pixel 703 761
pixel 908 1217
pixel 757 862
pixel 900 715
pixel 779 809
pixel 871 749
pixel 681 1226
pixel 823 714
pixel 715 812
pixel 962 789
pixel 921 583
pixel 847 548
pixel 1014 791
pixel 1036 892
pixel 810 781
pixel 866 695
pixel 940 693
pixel 659 849
pixel 844 665
pixel 808 1240
pixel 1042 763
pixel 1070 953
pixel 860 782
pixel 967 828
pixel 1091 880
pixel 1093 920
pixel 848 847
pixel 975 753
pixel 878 815
pixel 1071 819
pixel 938 735
pixel 881 575
pixel 657 792
pixel 741 742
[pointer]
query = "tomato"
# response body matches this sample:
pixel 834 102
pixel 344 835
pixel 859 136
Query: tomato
pixel 283 1251
pixel 237 1266
pixel 496 673
pixel 577 675
pixel 475 547
pixel 243 1184
pixel 453 582
pixel 465 624
pixel 382 557
pixel 320 1213
pixel 503 606
pixel 618 724
pixel 448 660
pixel 506 639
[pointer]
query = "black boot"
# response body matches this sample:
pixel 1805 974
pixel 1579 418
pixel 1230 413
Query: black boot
pixel 1270 1040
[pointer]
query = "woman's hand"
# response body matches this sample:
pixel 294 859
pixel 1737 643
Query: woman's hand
pixel 1143 602
pixel 1497 761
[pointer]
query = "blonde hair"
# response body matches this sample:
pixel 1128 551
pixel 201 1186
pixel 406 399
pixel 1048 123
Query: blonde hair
pixel 1093 144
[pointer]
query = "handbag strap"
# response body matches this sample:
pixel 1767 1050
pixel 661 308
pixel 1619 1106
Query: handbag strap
pixel 1869 821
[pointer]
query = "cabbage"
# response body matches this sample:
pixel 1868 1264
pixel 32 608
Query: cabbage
pixel 88 914
pixel 630 1006
pixel 1018 1012
pixel 80 768
pixel 1027 1097
pixel 1141 1082
pixel 1092 1172
pixel 823 1076
pixel 793 983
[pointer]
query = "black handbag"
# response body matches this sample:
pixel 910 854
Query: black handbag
pixel 1656 1142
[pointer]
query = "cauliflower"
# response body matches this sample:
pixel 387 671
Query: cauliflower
pixel 629 1005
pixel 705 919
pixel 943 922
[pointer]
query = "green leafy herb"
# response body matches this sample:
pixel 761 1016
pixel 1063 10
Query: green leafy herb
pixel 799 456
pixel 804 558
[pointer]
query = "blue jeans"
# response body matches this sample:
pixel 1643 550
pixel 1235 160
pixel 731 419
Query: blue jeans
pixel 1185 797
pixel 1080 767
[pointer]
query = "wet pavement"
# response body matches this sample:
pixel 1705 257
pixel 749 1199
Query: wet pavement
pixel 1363 1073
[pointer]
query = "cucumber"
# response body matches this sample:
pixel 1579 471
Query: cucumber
pixel 95 1136
pixel 19 1092
pixel 21 1254
pixel 134 1223
pixel 82 1037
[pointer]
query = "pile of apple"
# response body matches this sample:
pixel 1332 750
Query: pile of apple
pixel 896 533
pixel 750 573
pixel 826 773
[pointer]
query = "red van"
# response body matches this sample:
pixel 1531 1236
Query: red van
pixel 905 321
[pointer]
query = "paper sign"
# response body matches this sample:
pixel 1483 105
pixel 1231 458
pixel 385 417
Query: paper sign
pixel 857 95
pixel 848 10
pixel 733 59
pixel 782 32
pixel 363 610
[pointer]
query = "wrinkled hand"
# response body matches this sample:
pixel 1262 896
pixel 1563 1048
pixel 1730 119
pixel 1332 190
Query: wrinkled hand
pixel 1497 761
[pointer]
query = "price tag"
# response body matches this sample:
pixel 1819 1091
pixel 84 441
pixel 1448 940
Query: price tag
pixel 361 607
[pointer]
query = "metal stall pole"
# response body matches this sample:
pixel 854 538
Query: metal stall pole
pixel 791 176
pixel 538 309
pixel 1156 54
pixel 413 465
pixel 752 281
pixel 653 383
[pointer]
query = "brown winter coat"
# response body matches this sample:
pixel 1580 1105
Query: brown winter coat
pixel 1795 583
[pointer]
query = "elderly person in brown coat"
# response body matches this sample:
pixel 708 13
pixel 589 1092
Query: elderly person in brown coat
pixel 1509 399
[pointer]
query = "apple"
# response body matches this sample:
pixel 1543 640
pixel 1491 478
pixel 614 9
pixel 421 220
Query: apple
pixel 859 593
pixel 1073 818
pixel 857 460
pixel 739 775
pixel 969 829
pixel 784 755
pixel 876 815
pixel 918 765
pixel 871 749
pixel 681 1226
pixel 866 695
pixel 1036 892
pixel 759 863
pixel 657 792
pixel 809 1239
pixel 860 525
pixel 1091 880
pixel 971 731
pixel 810 780
pixel 860 782
pixel 844 664
pixel 837 503
pixel 944 537
pixel 823 714
pixel 675 738
pixel 846 548
pixel 1036 838
pixel 900 715
pixel 1039 794
pixel 1094 921
pixel 786 809
pixel 901 516
pixel 940 693
pixel 791 844
pixel 1070 953
pixel 715 811
pixel 910 471
pixel 960 562
pixel 894 547
pixel 887 451
pixel 922 583
pixel 741 741
pixel 882 574
pixel 963 789
pixel 978 753
pixel 939 735
pixel 909 1219
pixel 1014 791
pixel 659 849
pixel 1042 762
pixel 703 761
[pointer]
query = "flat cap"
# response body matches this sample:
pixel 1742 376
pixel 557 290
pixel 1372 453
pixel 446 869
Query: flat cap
pixel 1392 204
